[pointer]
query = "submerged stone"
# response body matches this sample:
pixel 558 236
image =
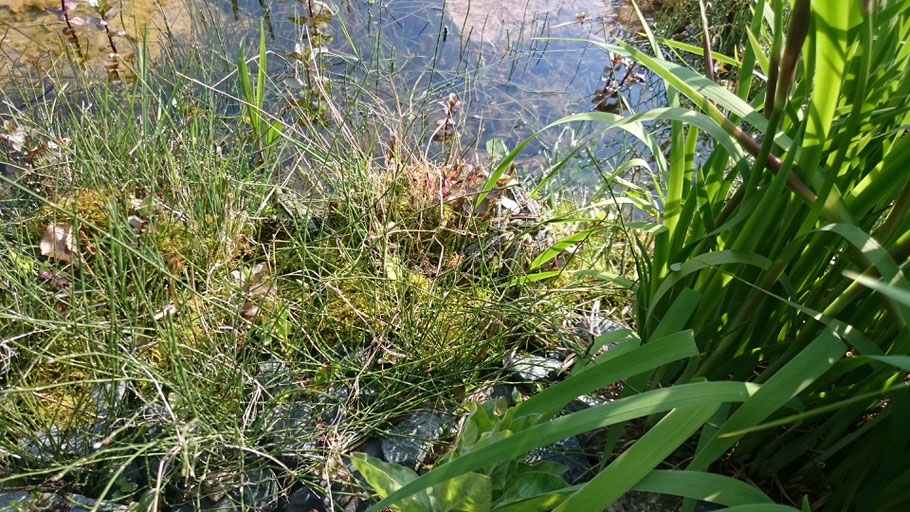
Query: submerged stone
pixel 535 368
pixel 19 501
pixel 411 441
pixel 569 453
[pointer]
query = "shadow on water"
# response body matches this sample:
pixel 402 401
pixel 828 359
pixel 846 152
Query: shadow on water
pixel 501 59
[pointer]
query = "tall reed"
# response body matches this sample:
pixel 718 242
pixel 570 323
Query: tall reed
pixel 792 370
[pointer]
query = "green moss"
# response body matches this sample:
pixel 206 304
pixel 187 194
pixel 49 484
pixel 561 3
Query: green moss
pixel 60 361
pixel 354 310
pixel 89 206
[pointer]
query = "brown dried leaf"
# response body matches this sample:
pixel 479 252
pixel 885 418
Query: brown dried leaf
pixel 249 310
pixel 137 223
pixel 261 290
pixel 57 242
pixel 59 282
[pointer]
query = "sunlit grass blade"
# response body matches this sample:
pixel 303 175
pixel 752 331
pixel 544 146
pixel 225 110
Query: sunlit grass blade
pixel 708 260
pixel 795 376
pixel 706 394
pixel 660 351
pixel 897 294
pixel 719 489
pixel 639 459
pixel 697 50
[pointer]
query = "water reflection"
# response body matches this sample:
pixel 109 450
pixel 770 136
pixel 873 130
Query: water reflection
pixel 503 60
pixel 96 35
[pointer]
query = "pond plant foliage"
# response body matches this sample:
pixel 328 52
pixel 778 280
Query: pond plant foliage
pixel 200 290
pixel 775 289
pixel 195 289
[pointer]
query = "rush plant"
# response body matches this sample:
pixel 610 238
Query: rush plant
pixel 772 311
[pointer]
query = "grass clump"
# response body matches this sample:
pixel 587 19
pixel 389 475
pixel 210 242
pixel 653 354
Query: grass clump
pixel 183 306
pixel 770 356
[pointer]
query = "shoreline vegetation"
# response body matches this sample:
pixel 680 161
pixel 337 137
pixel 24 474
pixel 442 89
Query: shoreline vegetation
pixel 222 291
pixel 197 291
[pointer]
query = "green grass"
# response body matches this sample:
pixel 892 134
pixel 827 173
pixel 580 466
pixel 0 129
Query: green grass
pixel 752 268
pixel 209 242
pixel 204 242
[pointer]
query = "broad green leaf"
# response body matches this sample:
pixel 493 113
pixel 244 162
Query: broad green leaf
pixel 698 50
pixel 642 359
pixel 854 336
pixel 707 260
pixel 878 257
pixel 624 409
pixel 470 492
pixel 387 478
pixel 624 341
pixel 896 294
pixel 542 503
pixel 789 381
pixel 677 315
pixel 532 491
pixel 818 411
pixel 897 361
pixel 683 115
pixel 638 460
pixel 880 180
pixel 246 90
pixel 759 53
pixel 699 89
pixel 831 23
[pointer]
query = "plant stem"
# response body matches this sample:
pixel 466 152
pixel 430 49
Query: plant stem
pixel 110 39
pixel 70 30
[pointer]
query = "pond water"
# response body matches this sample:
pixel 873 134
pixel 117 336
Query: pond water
pixel 502 59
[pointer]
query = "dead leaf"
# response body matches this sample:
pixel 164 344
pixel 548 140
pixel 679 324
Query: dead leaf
pixel 248 310
pixel 169 310
pixel 60 283
pixel 58 242
pixel 136 223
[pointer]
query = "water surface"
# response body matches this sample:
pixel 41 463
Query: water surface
pixel 504 60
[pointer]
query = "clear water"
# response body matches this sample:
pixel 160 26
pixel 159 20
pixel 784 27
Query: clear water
pixel 501 58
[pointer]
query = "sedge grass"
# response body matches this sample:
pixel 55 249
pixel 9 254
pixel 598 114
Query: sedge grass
pixel 218 274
